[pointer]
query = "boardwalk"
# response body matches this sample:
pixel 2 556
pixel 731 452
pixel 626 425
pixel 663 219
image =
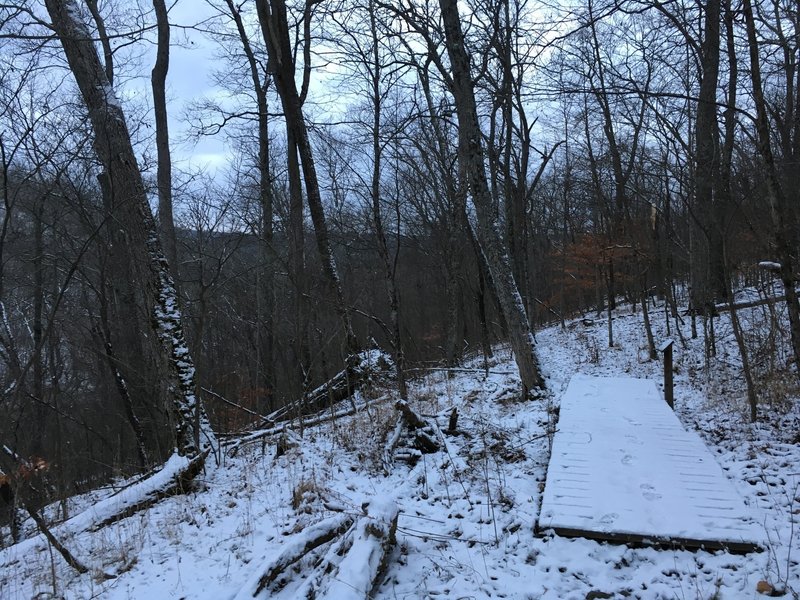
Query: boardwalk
pixel 623 468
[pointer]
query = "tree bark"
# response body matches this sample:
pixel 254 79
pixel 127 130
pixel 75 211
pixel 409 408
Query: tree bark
pixel 779 211
pixel 705 282
pixel 295 549
pixel 105 42
pixel 113 146
pixel 274 26
pixel 104 333
pixel 158 79
pixel 470 153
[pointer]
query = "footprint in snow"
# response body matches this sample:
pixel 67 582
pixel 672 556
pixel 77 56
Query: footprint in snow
pixel 649 493
pixel 608 518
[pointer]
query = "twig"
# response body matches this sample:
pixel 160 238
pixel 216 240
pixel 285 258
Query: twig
pixel 234 445
pixel 460 370
pixel 239 406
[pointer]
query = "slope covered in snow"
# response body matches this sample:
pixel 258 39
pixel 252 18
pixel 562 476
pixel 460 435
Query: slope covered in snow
pixel 467 513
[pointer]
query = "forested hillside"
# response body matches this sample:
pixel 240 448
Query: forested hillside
pixel 467 509
pixel 396 188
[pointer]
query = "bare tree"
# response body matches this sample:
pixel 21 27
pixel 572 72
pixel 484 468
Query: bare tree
pixel 266 332
pixel 367 44
pixel 164 174
pixel 780 212
pixel 112 143
pixel 473 165
pixel 272 15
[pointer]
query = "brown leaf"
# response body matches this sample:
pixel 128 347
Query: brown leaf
pixel 764 587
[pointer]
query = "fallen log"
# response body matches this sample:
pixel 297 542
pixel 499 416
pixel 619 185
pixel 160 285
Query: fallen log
pixel 358 573
pixel 412 419
pixel 750 304
pixel 235 444
pixel 172 479
pixel 294 550
pixel 391 444
pixel 244 409
pixel 424 434
pixel 349 569
pixel 360 369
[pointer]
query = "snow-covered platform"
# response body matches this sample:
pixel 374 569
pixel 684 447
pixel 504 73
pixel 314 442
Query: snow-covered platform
pixel 623 468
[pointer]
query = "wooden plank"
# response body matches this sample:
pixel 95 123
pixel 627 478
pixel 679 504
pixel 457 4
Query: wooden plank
pixel 623 468
pixel 641 540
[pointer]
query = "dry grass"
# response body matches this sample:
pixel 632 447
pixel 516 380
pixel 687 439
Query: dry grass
pixel 305 495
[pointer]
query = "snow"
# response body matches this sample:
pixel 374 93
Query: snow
pixel 290 550
pixel 112 100
pixel 769 265
pixel 353 579
pixel 622 463
pixel 465 527
pixel 128 497
pixel 99 512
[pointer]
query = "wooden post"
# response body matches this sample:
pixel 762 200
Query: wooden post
pixel 669 396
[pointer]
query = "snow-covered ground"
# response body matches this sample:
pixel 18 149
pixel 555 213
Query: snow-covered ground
pixel 467 513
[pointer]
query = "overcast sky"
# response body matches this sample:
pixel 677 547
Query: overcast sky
pixel 190 78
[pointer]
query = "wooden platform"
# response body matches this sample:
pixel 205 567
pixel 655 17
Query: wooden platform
pixel 623 468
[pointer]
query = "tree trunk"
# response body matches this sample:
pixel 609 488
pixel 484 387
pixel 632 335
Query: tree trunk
pixel 266 304
pixel 297 262
pixel 779 211
pixel 105 42
pixel 158 79
pixel 389 265
pixel 741 343
pixel 104 333
pixel 112 143
pixel 470 153
pixel 37 447
pixel 486 346
pixel 274 26
pixel 651 346
pixel 705 282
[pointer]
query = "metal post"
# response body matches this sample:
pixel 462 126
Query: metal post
pixel 666 348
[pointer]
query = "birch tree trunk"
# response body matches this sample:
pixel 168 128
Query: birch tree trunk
pixel 112 143
pixel 470 153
